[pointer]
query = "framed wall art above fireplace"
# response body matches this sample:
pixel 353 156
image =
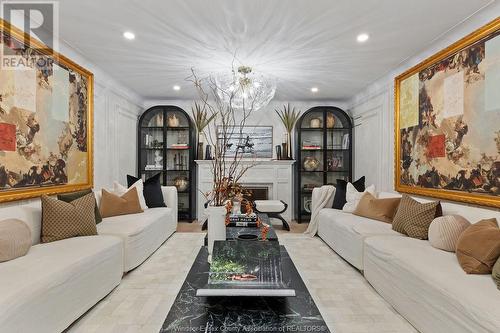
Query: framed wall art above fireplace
pixel 447 122
pixel 46 103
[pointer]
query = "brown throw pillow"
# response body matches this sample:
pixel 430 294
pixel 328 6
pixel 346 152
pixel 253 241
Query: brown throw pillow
pixel 68 197
pixel 113 205
pixel 377 209
pixel 61 220
pixel 414 218
pixel 478 247
pixel 15 239
pixel 495 274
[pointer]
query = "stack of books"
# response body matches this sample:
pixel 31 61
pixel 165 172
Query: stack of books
pixel 311 147
pixel 179 146
pixel 243 220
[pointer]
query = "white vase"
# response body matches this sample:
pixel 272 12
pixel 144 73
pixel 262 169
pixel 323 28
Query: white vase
pixel 216 226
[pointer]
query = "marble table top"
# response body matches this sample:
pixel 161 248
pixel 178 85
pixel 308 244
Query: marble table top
pixel 190 313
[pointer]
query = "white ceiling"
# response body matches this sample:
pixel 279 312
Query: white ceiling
pixel 303 43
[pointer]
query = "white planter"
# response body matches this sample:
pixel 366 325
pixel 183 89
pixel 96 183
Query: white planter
pixel 216 226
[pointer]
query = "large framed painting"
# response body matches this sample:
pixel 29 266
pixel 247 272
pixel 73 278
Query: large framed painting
pixel 447 122
pixel 45 119
pixel 250 141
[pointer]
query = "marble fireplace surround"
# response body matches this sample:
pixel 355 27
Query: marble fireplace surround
pixel 275 175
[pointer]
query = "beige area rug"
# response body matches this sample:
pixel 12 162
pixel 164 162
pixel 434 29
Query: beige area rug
pixel 141 302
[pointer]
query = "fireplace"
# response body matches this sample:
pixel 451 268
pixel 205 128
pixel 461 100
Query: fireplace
pixel 256 192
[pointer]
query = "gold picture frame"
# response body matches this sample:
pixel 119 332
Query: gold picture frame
pixel 32 191
pixel 448 132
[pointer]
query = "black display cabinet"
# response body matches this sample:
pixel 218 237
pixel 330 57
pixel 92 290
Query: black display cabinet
pixel 323 141
pixel 166 140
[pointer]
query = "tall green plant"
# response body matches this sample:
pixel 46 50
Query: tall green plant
pixel 288 116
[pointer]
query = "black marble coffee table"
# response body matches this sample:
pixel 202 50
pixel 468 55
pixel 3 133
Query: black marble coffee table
pixel 246 268
pixel 190 313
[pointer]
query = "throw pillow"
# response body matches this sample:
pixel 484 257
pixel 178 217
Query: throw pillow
pixel 68 197
pixel 414 218
pixel 61 220
pixel 152 190
pixel 353 197
pixel 478 247
pixel 495 274
pixel 444 231
pixel 339 199
pixel 15 239
pixel 377 209
pixel 120 190
pixel 113 205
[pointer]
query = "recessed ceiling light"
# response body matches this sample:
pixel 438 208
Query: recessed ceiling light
pixel 314 89
pixel 129 35
pixel 176 88
pixel 362 38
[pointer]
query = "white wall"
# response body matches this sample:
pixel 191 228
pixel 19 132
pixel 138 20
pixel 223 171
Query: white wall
pixel 373 108
pixel 116 109
pixel 264 117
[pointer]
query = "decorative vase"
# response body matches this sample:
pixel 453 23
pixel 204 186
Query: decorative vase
pixel 208 152
pixel 216 227
pixel 236 207
pixel 311 163
pixel 181 183
pixel 330 120
pixel 315 123
pixel 278 152
pixel 173 121
pixel 199 153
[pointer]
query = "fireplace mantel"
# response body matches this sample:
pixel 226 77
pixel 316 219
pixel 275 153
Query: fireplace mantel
pixel 276 175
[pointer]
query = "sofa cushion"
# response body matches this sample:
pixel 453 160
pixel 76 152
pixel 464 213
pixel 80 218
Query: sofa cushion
pixel 113 205
pixel 478 247
pixel 120 190
pixel 57 282
pixel 444 231
pixel 61 220
pixel 339 199
pixel 345 233
pixel 152 190
pixel 377 209
pixel 15 239
pixel 141 233
pixel 413 218
pixel 353 197
pixel 68 197
pixel 428 287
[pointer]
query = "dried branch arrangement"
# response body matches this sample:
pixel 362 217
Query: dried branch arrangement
pixel 223 122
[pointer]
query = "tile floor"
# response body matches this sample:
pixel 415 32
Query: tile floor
pixel 141 302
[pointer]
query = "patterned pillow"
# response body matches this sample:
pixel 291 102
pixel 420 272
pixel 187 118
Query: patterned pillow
pixel 444 231
pixel 414 218
pixel 61 220
pixel 68 197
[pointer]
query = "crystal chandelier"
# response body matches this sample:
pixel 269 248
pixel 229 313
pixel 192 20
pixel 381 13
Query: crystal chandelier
pixel 245 89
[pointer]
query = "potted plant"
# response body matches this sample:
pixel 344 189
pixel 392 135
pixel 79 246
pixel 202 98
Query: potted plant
pixel 288 117
pixel 224 122
pixel 201 121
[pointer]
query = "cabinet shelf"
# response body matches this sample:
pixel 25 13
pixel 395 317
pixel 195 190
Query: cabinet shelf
pixel 335 160
pixel 168 136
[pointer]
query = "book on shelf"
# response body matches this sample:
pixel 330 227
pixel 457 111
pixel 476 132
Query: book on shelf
pixel 311 147
pixel 244 224
pixel 179 146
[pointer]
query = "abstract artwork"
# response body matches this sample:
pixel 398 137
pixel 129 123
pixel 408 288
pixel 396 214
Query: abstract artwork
pixel 448 122
pixel 251 141
pixel 45 120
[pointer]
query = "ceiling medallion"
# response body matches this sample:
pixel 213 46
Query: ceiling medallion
pixel 244 89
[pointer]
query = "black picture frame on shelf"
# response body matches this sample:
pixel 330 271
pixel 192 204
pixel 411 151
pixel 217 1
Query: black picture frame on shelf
pixel 323 150
pixel 166 140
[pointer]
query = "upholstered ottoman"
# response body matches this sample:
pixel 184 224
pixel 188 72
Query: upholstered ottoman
pixel 273 209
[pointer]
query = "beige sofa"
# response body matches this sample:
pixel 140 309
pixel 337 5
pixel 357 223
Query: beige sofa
pixel 55 283
pixel 424 284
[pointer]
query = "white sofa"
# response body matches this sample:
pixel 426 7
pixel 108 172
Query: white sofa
pixel 424 284
pixel 55 283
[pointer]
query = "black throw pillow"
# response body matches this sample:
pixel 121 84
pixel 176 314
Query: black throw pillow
pixel 341 188
pixel 152 190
